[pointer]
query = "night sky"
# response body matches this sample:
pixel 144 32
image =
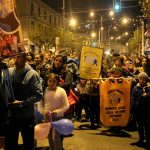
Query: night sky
pixel 81 8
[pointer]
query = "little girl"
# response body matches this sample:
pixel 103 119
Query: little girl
pixel 55 105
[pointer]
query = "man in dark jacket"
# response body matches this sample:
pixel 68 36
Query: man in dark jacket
pixel 27 91
pixel 3 101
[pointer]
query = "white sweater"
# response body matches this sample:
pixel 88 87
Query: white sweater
pixel 56 101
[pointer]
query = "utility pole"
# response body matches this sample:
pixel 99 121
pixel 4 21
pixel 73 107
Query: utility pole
pixel 143 47
pixel 109 38
pixel 99 36
pixel 64 22
pixel 64 14
pixel 101 29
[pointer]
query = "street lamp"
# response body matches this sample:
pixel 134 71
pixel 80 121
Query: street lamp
pixel 143 47
pixel 73 23
pixel 92 14
pixel 125 20
pixel 101 30
pixel 111 13
pixel 63 14
pixel 93 35
pixel 109 38
pixel 126 33
pixel 100 38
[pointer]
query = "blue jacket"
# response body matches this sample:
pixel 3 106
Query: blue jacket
pixel 27 88
pixel 140 105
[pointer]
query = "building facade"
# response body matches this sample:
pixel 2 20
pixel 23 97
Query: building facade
pixel 35 16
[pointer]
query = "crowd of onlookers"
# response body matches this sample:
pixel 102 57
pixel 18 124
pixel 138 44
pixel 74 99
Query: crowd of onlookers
pixel 83 93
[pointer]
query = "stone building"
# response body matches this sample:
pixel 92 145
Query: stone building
pixel 35 16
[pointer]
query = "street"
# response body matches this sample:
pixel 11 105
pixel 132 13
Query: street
pixel 83 138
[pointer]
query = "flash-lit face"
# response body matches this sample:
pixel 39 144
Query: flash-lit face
pixel 83 81
pixel 20 62
pixel 144 61
pixel 52 82
pixel 46 56
pixel 131 67
pixel 58 62
pixel 137 60
pixel 37 59
pixel 118 63
pixel 143 81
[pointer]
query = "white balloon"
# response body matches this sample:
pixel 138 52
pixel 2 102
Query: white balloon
pixel 41 131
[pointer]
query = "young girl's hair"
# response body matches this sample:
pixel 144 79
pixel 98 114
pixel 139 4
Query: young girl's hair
pixel 55 76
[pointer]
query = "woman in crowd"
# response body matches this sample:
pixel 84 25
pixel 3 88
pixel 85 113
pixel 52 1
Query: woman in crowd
pixel 60 68
pixel 144 66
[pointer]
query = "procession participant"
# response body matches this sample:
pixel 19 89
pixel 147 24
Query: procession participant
pixel 55 105
pixel 27 91
pixel 140 107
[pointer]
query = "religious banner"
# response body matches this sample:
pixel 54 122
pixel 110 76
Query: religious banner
pixel 9 22
pixel 10 30
pixel 90 62
pixel 115 101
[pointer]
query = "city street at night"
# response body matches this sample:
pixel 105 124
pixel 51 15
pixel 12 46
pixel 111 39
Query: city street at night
pixel 74 74
pixel 83 138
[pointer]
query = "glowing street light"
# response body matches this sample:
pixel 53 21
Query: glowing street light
pixel 102 28
pixel 111 13
pixel 73 22
pixel 111 37
pixel 115 27
pixel 92 14
pixel 126 33
pixel 93 34
pixel 119 37
pixel 125 20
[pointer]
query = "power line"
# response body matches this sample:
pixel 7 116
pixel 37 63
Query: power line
pixel 100 9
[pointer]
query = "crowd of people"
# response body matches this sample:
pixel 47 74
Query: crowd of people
pixel 54 80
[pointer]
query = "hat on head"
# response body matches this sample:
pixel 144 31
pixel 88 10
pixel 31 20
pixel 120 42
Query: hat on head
pixel 143 75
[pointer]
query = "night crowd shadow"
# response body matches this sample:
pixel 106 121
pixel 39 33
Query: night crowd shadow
pixel 114 132
pixel 36 148
pixel 85 126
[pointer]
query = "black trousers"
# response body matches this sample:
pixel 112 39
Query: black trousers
pixel 83 103
pixel 26 127
pixel 94 109
pixel 143 129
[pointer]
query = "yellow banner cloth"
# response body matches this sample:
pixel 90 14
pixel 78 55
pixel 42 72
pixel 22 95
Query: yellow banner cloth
pixel 115 101
pixel 90 62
